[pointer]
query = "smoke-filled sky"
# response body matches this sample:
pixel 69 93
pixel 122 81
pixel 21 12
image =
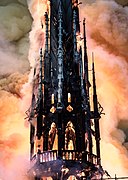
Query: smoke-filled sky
pixel 107 37
pixel 15 25
pixel 107 24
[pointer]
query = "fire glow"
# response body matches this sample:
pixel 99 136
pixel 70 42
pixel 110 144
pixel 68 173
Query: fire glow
pixel 102 74
pixel 111 73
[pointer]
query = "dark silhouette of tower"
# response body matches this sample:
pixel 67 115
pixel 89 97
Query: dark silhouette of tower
pixel 64 126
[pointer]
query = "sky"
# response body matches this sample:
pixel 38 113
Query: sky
pixel 107 37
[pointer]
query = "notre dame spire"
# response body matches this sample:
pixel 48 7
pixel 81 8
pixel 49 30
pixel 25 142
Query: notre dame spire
pixel 63 127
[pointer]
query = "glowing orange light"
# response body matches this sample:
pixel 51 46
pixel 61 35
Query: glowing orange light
pixel 75 4
pixel 69 97
pixel 69 108
pixel 52 99
pixel 53 109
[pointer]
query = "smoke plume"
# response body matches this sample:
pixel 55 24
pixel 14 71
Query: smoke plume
pixel 107 33
pixel 107 37
pixel 14 44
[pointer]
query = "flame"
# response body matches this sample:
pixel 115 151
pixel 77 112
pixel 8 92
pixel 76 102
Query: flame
pixel 37 9
pixel 69 97
pixel 53 109
pixel 69 108
pixel 52 99
pixel 107 36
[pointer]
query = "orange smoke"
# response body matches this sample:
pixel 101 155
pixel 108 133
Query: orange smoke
pixel 37 9
pixel 108 39
pixel 13 134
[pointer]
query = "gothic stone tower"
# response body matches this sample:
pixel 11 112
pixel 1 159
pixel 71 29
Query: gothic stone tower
pixel 64 127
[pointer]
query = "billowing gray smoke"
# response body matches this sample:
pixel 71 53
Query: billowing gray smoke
pixel 14 43
pixel 122 2
pixel 107 33
pixel 15 24
pixel 106 20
